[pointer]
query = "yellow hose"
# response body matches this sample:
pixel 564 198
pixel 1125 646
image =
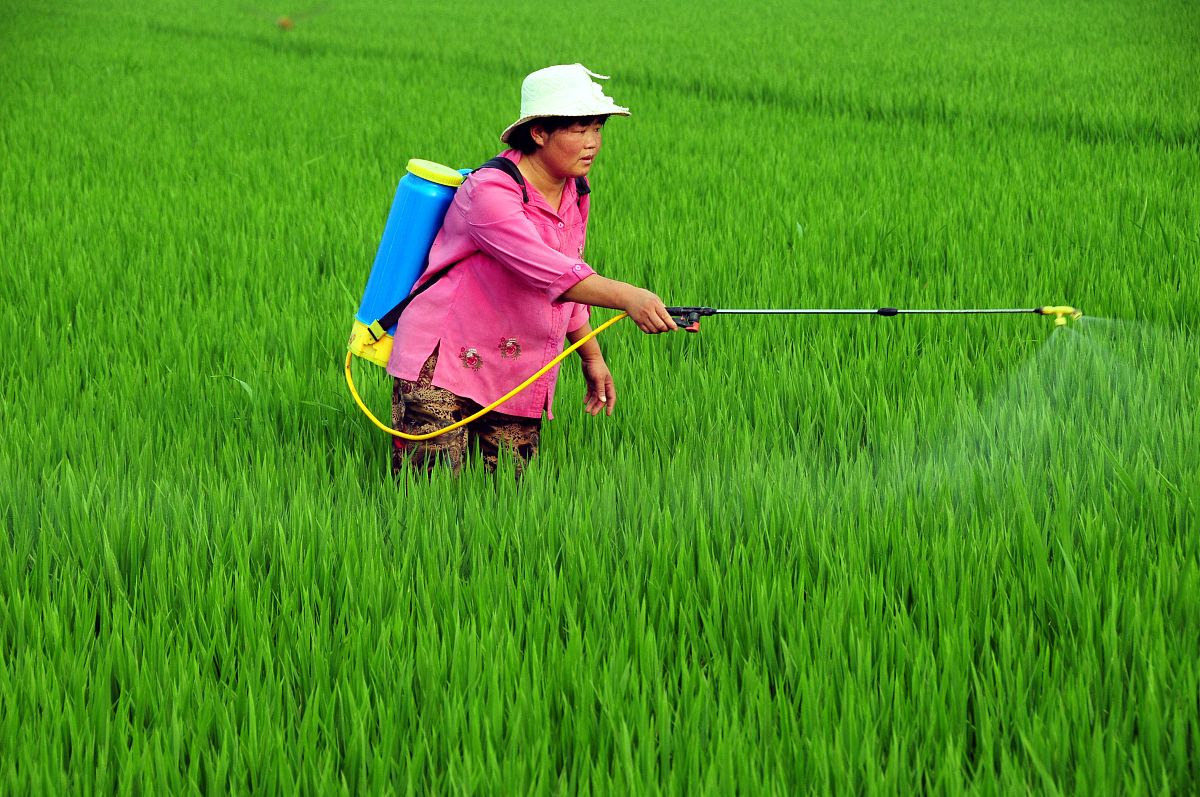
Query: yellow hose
pixel 430 435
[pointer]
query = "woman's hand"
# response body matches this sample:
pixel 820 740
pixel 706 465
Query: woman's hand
pixel 648 311
pixel 601 392
pixel 645 308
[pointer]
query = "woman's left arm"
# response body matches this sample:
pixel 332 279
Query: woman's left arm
pixel 601 392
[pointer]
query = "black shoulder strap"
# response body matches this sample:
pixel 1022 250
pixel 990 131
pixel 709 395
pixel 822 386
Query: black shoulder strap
pixel 509 168
pixel 388 319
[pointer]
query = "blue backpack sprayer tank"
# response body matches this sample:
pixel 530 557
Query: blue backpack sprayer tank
pixel 422 198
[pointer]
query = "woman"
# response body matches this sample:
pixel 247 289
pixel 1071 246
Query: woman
pixel 515 284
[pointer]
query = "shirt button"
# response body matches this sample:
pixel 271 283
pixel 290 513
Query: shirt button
pixel 579 268
pixel 560 224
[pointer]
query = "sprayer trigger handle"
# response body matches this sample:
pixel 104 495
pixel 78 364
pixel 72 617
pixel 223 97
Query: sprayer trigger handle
pixel 688 318
pixel 685 318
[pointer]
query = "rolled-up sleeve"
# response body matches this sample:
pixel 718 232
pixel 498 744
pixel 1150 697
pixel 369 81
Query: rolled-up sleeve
pixel 497 223
pixel 579 316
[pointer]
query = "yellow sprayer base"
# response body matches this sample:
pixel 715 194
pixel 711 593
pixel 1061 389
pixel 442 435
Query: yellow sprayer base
pixel 362 344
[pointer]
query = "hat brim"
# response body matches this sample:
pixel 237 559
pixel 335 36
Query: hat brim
pixel 612 110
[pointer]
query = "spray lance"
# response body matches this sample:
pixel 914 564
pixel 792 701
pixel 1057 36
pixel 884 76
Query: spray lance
pixel 688 318
pixel 422 197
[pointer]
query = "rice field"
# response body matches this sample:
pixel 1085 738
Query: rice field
pixel 805 555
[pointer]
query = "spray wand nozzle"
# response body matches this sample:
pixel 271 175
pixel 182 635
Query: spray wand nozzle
pixel 1061 313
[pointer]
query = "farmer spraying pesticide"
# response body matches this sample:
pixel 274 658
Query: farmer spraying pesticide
pixel 480 276
pixel 505 283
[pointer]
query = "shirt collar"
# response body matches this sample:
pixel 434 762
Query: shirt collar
pixel 569 195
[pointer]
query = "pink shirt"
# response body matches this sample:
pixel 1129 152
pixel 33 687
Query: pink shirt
pixel 498 314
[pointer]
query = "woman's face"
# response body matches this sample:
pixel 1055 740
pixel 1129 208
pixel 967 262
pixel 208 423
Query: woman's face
pixel 569 151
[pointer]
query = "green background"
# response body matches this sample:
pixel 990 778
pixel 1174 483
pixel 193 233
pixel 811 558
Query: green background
pixel 804 555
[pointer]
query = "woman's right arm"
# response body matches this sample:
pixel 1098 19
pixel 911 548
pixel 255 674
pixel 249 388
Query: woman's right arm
pixel 496 221
pixel 643 306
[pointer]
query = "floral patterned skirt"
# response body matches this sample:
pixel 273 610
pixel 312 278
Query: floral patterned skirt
pixel 419 407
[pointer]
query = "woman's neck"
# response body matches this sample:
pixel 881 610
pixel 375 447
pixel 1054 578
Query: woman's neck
pixel 548 184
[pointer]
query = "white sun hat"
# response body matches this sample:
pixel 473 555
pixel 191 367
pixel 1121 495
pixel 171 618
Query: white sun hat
pixel 564 90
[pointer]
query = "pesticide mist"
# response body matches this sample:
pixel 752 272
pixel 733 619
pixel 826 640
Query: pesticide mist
pixel 1103 414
